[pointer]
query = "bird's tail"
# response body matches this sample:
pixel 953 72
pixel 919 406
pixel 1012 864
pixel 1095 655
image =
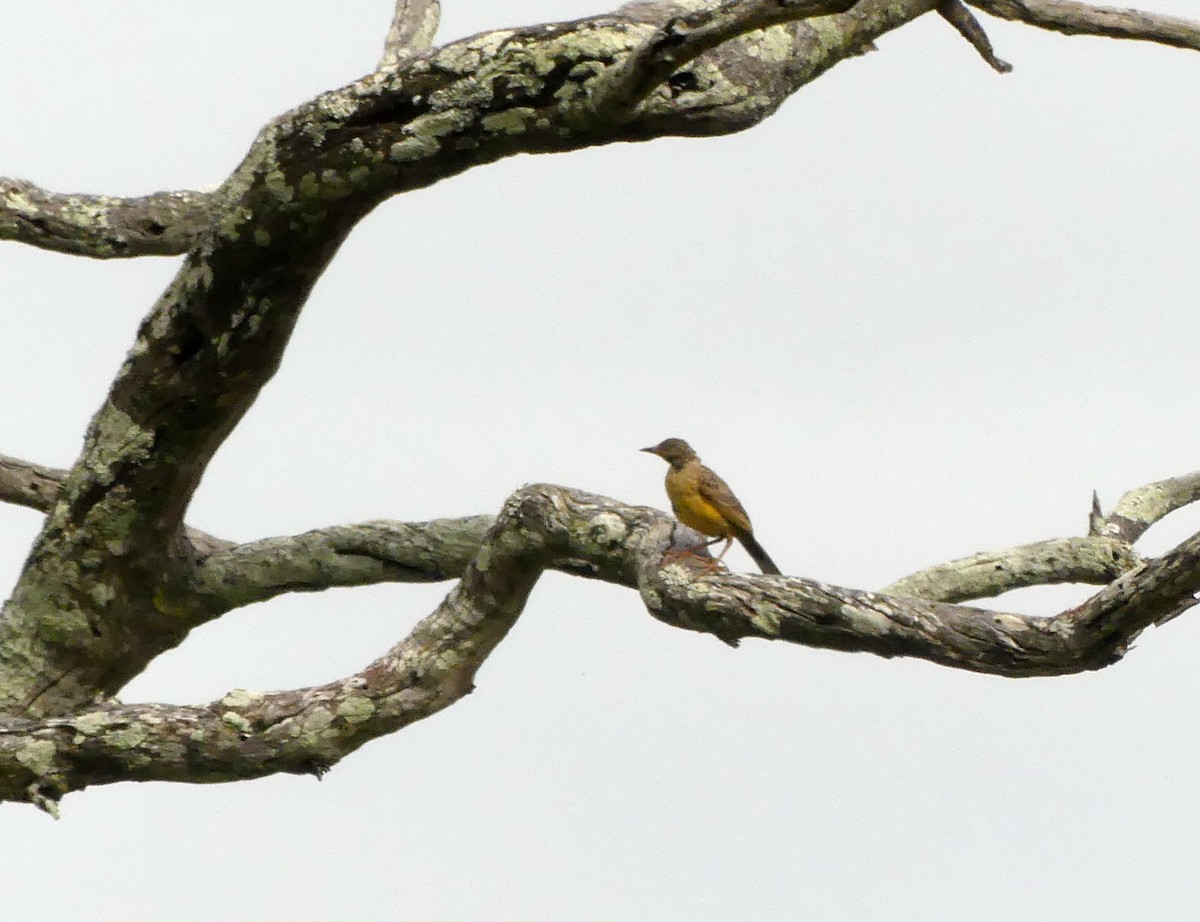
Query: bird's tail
pixel 761 557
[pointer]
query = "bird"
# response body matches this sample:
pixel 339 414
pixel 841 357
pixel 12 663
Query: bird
pixel 703 501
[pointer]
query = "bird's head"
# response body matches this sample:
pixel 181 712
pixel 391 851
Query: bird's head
pixel 676 452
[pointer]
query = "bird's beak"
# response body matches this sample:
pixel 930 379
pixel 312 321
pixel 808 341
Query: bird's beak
pixel 651 450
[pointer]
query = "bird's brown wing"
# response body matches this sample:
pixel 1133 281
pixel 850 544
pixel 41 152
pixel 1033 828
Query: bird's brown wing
pixel 717 492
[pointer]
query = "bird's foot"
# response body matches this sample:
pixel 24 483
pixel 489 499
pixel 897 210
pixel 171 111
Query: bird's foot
pixel 689 555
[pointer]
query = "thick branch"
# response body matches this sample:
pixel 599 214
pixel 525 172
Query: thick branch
pixel 685 37
pixel 27 484
pixel 980 576
pixel 218 333
pixel 413 28
pixel 1138 509
pixel 164 224
pixel 1085 19
pixel 347 555
pixel 248 735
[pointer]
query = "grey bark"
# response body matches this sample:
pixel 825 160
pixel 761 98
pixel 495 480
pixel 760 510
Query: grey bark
pixel 115 577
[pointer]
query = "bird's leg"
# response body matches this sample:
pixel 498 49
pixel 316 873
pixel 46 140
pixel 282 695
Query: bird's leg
pixel 710 563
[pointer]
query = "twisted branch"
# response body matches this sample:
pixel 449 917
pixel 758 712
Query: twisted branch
pixel 229 576
pixel 1138 509
pixel 100 226
pixel 686 36
pixel 1073 18
pixel 247 735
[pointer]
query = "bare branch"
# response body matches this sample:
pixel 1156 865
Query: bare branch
pixel 27 484
pixel 1074 18
pixel 346 555
pixel 1102 556
pixel 247 735
pixel 955 13
pixel 980 576
pixel 217 334
pixel 1138 509
pixel 163 224
pixel 413 28
pixel 684 37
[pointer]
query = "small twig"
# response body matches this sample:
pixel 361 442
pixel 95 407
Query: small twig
pixel 413 28
pixel 955 13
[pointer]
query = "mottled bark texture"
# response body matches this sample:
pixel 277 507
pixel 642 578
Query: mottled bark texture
pixel 115 577
pixel 1086 19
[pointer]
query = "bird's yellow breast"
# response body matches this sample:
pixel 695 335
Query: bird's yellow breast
pixel 691 508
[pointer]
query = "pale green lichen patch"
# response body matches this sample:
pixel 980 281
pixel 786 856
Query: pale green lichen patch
pixel 510 121
pixel 89 725
pixel 85 212
pixel 413 149
pixel 447 661
pixel 766 620
pixel 1147 505
pixel 337 105
pixel 589 45
pixel 829 33
pixel 466 57
pixel 121 438
pixel 309 187
pixel 129 738
pixel 315 132
pixel 866 620
pixel 356 709
pixel 607 529
pixel 196 276
pixel 232 220
pixel 237 721
pixel 313 725
pixel 239 698
pixel 102 594
pixel 276 183
pixel 773 45
pixel 18 201
pixel 675 575
pixel 37 756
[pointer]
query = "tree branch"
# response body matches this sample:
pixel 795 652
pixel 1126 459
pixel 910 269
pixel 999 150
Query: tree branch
pixel 27 484
pixel 163 224
pixel 980 576
pixel 218 333
pixel 248 735
pixel 1085 19
pixel 686 36
pixel 964 21
pixel 346 555
pixel 413 28
pixel 1138 509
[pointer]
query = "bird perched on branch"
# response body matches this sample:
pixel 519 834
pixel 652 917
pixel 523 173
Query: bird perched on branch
pixel 703 501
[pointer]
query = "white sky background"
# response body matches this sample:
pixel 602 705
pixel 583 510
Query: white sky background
pixel 922 311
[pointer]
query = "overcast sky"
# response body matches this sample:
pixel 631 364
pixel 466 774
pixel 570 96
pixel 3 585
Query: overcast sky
pixel 922 311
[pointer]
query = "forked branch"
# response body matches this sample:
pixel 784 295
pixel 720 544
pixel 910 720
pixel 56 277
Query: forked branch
pixel 247 735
